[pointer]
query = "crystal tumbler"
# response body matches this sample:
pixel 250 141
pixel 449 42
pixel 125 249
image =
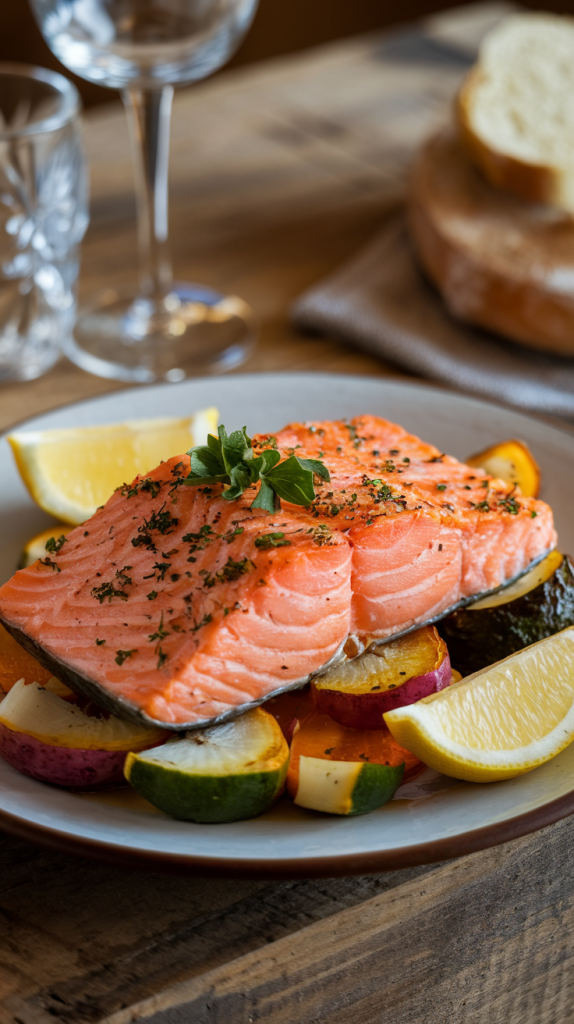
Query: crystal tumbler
pixel 43 217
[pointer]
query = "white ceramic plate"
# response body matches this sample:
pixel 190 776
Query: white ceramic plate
pixel 430 819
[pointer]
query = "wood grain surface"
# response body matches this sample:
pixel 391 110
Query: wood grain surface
pixel 278 174
pixel 488 939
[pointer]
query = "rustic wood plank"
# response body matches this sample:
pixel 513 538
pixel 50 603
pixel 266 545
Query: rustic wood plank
pixel 80 941
pixel 487 938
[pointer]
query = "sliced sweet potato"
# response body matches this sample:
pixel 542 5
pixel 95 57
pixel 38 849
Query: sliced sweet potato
pixel 345 771
pixel 16 663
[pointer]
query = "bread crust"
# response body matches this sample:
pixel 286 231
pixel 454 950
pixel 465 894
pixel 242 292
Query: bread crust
pixel 536 183
pixel 499 262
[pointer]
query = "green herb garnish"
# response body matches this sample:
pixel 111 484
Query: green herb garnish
pixel 230 572
pixel 152 486
pixel 384 494
pixel 205 620
pixel 160 633
pixel 122 656
pixel 108 589
pixel 53 545
pixel 271 540
pixel 162 568
pixel 161 521
pixel 231 460
pixel 510 504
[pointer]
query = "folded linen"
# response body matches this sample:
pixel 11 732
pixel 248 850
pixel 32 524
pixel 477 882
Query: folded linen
pixel 381 302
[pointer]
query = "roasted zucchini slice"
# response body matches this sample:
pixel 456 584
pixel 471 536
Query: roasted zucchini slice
pixel 222 773
pixel 536 606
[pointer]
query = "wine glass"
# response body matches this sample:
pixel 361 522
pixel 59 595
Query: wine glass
pixel 161 330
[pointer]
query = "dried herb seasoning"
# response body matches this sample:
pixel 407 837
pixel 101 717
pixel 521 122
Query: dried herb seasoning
pixel 160 633
pixel 50 564
pixel 162 521
pixel 230 572
pixel 122 656
pixel 153 487
pixel 204 622
pixel 161 568
pixel 108 589
pixel 53 546
pixel 271 540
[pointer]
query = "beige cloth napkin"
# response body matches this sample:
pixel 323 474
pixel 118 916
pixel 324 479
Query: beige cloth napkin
pixel 381 302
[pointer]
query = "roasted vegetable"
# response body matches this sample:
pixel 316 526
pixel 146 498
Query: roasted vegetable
pixel 290 709
pixel 538 605
pixel 46 734
pixel 513 462
pixel 224 773
pixel 358 692
pixel 16 663
pixel 345 771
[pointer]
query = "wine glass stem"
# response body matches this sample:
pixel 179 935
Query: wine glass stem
pixel 149 115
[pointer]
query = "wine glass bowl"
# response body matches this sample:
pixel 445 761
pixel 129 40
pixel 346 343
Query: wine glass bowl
pixel 160 330
pixel 118 43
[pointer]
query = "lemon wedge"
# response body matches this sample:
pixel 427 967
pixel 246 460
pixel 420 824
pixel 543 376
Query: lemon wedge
pixel 71 472
pixel 498 723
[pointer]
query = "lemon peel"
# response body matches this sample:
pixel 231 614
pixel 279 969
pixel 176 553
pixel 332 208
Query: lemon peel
pixel 500 722
pixel 71 472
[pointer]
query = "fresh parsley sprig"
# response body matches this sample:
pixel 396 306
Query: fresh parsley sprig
pixel 231 460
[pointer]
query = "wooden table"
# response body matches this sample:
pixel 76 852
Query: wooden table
pixel 280 172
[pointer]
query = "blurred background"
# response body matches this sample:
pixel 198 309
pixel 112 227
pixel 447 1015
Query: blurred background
pixel 281 26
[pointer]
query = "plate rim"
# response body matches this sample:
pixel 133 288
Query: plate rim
pixel 316 866
pixel 562 426
pixel 339 865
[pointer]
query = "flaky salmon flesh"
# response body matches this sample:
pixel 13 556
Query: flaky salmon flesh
pixel 174 604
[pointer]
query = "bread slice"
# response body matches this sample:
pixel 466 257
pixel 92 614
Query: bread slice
pixel 498 261
pixel 515 108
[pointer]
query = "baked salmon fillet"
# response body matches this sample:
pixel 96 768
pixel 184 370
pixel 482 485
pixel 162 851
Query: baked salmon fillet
pixel 178 606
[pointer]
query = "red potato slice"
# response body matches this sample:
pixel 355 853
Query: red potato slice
pixel 48 736
pixel 62 766
pixel 358 693
pixel 291 709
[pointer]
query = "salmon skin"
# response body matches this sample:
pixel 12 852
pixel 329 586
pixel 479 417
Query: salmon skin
pixel 175 606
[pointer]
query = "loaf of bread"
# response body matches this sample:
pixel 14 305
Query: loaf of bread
pixel 515 109
pixel 498 261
